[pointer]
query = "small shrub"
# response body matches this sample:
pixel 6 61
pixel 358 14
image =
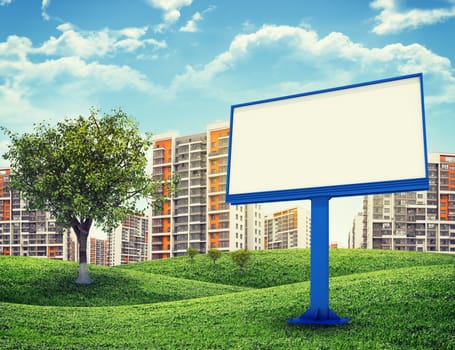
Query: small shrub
pixel 192 252
pixel 214 254
pixel 241 257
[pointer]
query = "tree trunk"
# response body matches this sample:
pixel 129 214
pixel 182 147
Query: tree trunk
pixel 82 231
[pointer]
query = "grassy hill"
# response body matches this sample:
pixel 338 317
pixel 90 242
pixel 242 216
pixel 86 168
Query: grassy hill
pixel 270 268
pixel 395 300
pixel 51 282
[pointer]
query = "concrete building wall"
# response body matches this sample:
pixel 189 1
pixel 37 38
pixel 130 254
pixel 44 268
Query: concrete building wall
pixel 198 215
pixel 421 221
pixel 355 239
pixel 27 232
pixel 129 242
pixel 288 228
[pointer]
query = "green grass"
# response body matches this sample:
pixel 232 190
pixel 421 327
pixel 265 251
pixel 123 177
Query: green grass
pixel 401 301
pixel 50 282
pixel 270 268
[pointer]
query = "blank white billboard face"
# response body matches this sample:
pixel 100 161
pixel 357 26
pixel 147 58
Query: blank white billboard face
pixel 362 139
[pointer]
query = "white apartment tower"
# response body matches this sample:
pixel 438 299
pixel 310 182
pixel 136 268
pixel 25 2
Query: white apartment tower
pixel 129 242
pixel 421 221
pixel 289 228
pixel 27 232
pixel 355 239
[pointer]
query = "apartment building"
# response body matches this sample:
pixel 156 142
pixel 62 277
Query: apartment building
pixel 355 238
pixel 129 242
pixel 198 216
pixel 98 251
pixel 420 221
pixel 27 232
pixel 230 227
pixel 289 228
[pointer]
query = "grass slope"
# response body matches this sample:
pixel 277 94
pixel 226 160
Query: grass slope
pixel 50 282
pixel 270 268
pixel 408 308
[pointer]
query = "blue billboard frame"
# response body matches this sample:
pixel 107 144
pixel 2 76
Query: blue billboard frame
pixel 355 189
pixel 319 312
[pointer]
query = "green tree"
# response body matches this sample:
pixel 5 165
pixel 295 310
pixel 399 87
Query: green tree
pixel 85 170
pixel 214 254
pixel 192 252
pixel 241 257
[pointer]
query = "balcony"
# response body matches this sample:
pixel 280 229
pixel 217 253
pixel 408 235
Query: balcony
pixel 197 200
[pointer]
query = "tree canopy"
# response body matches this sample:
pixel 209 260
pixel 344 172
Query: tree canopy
pixel 84 170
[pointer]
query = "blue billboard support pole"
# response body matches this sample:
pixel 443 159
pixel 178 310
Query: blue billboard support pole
pixel 319 311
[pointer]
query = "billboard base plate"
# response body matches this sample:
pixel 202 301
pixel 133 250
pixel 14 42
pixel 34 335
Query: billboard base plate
pixel 320 317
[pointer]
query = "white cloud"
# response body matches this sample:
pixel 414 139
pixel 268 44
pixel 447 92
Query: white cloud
pixel 73 72
pixel 32 86
pixel 5 2
pixel 171 10
pixel 15 46
pixel 29 90
pixel 86 44
pixel 391 20
pixel 17 113
pixel 191 25
pixel 334 58
pixel 55 89
pixel 240 47
pixel 171 16
pixel 44 5
pixel 169 5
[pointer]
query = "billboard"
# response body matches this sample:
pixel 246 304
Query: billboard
pixel 353 140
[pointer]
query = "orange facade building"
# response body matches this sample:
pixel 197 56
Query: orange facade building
pixel 198 215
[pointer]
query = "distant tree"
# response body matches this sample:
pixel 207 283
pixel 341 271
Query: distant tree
pixel 241 257
pixel 192 252
pixel 214 254
pixel 85 170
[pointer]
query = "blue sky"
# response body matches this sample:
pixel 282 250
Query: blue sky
pixel 180 64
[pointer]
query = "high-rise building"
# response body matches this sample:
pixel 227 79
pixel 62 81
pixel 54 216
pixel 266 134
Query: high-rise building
pixel 26 232
pixel 198 216
pixel 98 251
pixel 289 228
pixel 180 223
pixel 129 242
pixel 355 239
pixel 421 221
pixel 230 227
